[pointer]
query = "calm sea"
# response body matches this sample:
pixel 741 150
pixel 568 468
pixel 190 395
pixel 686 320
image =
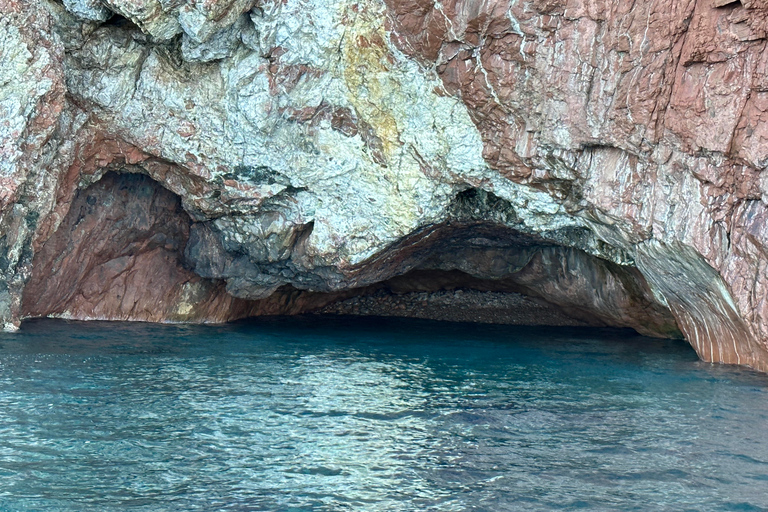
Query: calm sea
pixel 372 415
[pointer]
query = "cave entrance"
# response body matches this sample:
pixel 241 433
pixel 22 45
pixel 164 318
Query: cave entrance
pixel 121 253
pixel 118 255
pixel 481 272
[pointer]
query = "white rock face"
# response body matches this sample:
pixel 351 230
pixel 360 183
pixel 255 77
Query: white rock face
pixel 90 10
pixel 271 106
pixel 21 87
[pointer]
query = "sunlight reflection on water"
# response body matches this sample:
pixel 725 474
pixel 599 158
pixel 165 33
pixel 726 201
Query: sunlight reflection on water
pixel 376 415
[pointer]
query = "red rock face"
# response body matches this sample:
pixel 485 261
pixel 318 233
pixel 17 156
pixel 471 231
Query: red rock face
pixel 653 112
pixel 575 73
pixel 116 256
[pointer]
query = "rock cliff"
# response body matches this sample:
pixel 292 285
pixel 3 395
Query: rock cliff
pixel 191 160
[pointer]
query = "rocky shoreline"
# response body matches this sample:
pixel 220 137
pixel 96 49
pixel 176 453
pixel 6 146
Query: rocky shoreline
pixel 455 306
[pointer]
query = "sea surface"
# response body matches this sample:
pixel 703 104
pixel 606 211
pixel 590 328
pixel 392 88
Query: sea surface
pixel 372 415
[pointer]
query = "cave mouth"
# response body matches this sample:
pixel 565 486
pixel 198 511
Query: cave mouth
pixel 455 296
pixel 486 273
pixel 119 254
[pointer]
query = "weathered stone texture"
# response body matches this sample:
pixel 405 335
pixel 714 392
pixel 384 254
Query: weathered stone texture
pixel 31 103
pixel 116 256
pixel 649 113
pixel 320 144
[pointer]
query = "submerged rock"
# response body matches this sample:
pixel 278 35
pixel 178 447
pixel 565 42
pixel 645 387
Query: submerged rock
pixel 605 159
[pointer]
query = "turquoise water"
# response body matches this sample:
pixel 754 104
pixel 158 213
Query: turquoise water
pixel 368 415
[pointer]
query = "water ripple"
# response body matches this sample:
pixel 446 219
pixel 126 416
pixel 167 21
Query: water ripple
pixel 384 415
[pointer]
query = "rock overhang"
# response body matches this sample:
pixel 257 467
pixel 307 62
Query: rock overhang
pixel 350 127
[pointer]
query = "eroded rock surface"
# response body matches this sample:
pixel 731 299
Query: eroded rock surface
pixel 615 150
pixel 116 256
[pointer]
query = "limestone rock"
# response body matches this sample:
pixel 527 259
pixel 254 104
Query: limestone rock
pixel 326 146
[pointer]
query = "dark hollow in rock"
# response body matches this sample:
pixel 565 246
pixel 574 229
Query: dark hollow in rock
pixel 116 256
pixel 119 255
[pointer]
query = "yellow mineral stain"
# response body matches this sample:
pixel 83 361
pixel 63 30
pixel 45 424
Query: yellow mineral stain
pixel 367 74
pixel 184 309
